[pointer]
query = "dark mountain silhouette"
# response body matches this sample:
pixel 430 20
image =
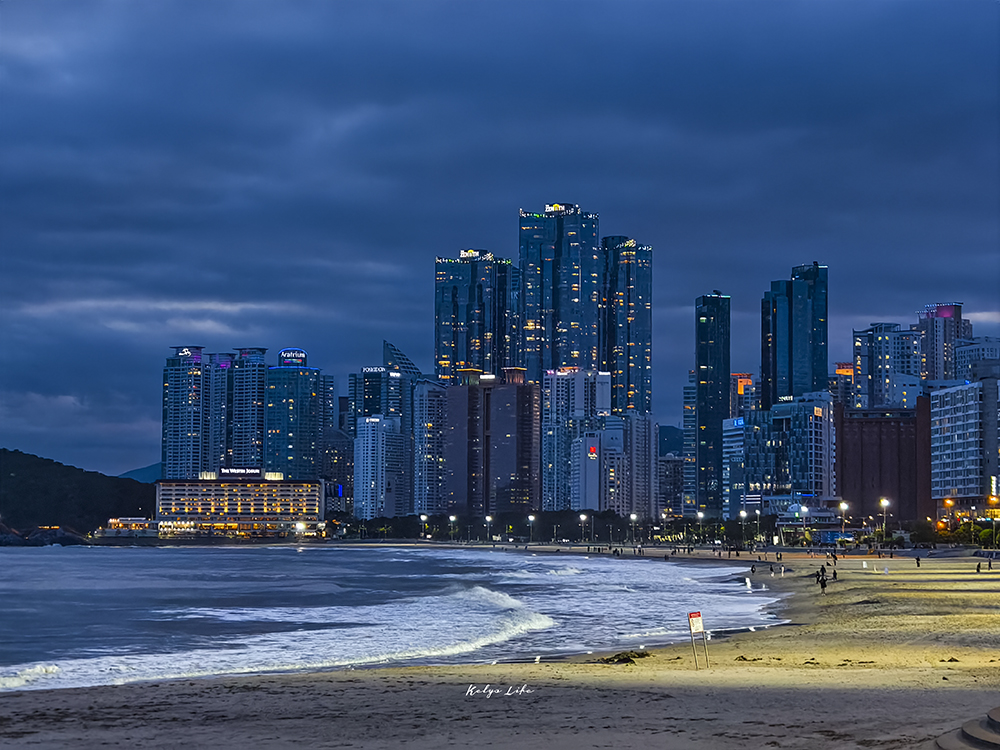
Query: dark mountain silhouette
pixel 40 492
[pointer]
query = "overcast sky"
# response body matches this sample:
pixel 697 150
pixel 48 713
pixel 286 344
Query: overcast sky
pixel 284 174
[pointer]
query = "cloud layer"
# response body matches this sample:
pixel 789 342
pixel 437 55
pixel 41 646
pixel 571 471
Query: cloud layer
pixel 283 174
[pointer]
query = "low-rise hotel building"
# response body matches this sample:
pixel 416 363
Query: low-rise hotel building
pixel 238 506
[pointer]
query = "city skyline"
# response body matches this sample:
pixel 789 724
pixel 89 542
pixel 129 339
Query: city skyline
pixel 157 199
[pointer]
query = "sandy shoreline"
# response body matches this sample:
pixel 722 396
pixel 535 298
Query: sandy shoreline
pixel 878 661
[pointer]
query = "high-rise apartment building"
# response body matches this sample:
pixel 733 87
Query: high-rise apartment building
pixel 882 353
pixel 249 389
pixel 970 351
pixel 472 297
pixel 689 426
pixel 790 452
pixel 560 292
pixel 294 417
pixel 379 464
pixel 712 405
pixel 626 323
pixel 965 441
pixel 430 416
pixel 794 333
pixel 733 485
pixel 185 449
pixel 573 402
pixel 943 328
pixel 491 446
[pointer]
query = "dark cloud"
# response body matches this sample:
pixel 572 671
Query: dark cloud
pixel 260 173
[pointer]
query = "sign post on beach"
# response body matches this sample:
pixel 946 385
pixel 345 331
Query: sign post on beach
pixel 697 626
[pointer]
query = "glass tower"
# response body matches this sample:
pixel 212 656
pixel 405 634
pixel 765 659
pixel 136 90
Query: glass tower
pixel 794 336
pixel 294 417
pixel 712 407
pixel 626 329
pixel 472 296
pixel 558 311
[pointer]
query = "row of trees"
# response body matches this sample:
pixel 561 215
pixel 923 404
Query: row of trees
pixel 606 527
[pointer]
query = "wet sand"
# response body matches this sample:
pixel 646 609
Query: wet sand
pixel 878 661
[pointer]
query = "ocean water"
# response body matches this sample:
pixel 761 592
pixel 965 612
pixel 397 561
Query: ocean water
pixel 81 616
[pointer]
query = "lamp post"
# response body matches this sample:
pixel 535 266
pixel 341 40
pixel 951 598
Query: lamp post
pixel 489 525
pixel 701 516
pixel 803 510
pixel 993 501
pixel 743 526
pixel 885 514
pixel 972 525
pixel 531 521
pixel 423 526
pixel 452 520
pixel 583 521
pixel 843 518
pixel 632 518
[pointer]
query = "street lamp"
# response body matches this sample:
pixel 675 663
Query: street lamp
pixel 632 518
pixel 756 535
pixel 803 510
pixel 972 525
pixel 489 521
pixel 843 518
pixel 583 520
pixel 701 517
pixel 743 526
pixel 885 514
pixel 423 526
pixel 993 512
pixel 531 520
pixel 452 519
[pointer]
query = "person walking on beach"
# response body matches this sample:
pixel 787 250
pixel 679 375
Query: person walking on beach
pixel 979 567
pixel 918 561
pixel 822 585
pixel 835 574
pixel 782 571
pixel 772 571
pixel 753 569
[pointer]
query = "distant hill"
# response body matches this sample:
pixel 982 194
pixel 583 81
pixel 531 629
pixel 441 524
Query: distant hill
pixel 40 492
pixel 146 475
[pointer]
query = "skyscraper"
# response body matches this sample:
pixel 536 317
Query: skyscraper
pixel 378 463
pixel 249 373
pixel 472 296
pixel 429 423
pixel 185 440
pixel 491 445
pixel 560 293
pixel 626 324
pixel 794 336
pixel 294 417
pixel 712 397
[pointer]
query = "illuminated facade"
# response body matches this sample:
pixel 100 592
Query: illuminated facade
pixel 965 441
pixel 626 323
pixel 379 469
pixel 294 417
pixel 794 333
pixel 185 444
pixel 430 414
pixel 790 451
pixel 248 405
pixel 883 356
pixel 245 507
pixel 472 297
pixel 560 291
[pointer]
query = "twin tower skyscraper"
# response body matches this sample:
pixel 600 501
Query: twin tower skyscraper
pixel 573 300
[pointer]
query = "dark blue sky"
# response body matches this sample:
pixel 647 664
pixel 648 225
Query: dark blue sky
pixel 284 173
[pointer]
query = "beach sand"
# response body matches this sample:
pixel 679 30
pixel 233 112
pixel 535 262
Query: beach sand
pixel 880 660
